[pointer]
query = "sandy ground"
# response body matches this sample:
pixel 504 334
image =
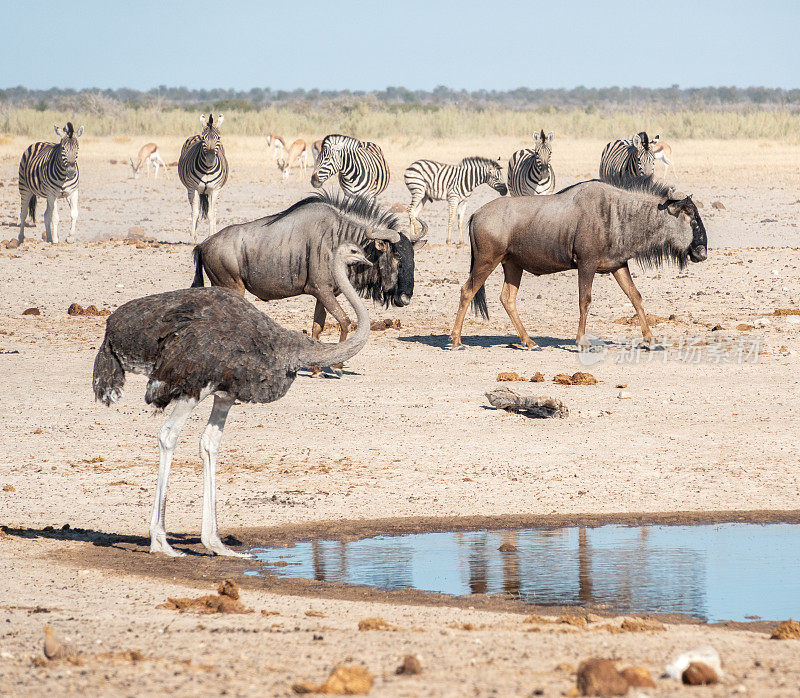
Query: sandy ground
pixel 405 433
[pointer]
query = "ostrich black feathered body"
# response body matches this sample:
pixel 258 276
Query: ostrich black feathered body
pixel 196 341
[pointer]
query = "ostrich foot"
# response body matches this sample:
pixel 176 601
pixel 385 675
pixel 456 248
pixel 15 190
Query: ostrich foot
pixel 217 547
pixel 337 369
pixel 525 347
pixel 158 544
pixel 452 346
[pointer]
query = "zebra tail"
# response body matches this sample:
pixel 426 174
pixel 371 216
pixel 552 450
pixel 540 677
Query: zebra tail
pixel 203 206
pixel 108 378
pixel 198 267
pixel 479 299
pixel 32 209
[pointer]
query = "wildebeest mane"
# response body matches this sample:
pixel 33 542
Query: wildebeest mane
pixel 641 184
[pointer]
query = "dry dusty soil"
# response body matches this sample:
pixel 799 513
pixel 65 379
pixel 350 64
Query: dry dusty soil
pixel 406 433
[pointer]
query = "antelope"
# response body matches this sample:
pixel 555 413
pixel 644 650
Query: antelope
pixel 662 151
pixel 148 155
pixel 278 145
pixel 296 157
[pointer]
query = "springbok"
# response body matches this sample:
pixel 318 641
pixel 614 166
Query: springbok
pixel 148 155
pixel 297 156
pixel 277 144
pixel 662 151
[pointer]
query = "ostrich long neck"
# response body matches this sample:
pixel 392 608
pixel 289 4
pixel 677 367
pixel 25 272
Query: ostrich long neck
pixel 327 354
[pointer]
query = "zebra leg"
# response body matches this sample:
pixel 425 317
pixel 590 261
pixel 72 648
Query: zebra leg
pixel 462 207
pixel 414 209
pixel 451 218
pixel 194 202
pixel 508 297
pixel 24 207
pixel 51 220
pixel 212 211
pixel 72 200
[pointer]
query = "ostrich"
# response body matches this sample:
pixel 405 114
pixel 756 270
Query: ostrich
pixel 197 342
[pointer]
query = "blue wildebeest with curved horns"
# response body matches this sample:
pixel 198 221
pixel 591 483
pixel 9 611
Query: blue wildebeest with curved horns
pixel 594 227
pixel 290 254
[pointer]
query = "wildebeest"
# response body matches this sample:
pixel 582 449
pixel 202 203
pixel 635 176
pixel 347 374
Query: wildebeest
pixel 290 253
pixel 594 227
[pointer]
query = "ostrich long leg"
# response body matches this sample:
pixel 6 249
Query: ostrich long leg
pixel 167 440
pixel 209 447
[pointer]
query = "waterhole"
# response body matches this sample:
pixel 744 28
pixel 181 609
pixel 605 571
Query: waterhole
pixel 730 571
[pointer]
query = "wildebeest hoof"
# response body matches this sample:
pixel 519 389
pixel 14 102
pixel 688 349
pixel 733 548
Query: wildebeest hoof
pixel 525 347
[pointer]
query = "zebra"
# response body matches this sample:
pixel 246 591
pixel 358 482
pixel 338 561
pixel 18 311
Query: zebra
pixel 203 169
pixel 627 158
pixel 530 171
pixel 361 166
pixel 437 181
pixel 50 170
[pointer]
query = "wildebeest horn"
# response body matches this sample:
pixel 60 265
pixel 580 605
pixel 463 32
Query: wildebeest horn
pixel 383 234
pixel 422 232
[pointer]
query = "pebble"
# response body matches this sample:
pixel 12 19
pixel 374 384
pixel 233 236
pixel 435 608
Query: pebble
pixel 624 395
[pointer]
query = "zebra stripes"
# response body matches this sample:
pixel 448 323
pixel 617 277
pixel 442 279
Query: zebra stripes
pixel 530 171
pixel 203 170
pixel 627 158
pixel 436 181
pixel 50 171
pixel 361 166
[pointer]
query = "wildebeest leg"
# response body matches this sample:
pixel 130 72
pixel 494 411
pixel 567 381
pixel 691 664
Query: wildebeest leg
pixel 212 211
pixel 451 218
pixel 585 278
pixel 330 304
pixel 508 297
pixel 462 207
pixel 480 272
pixel 623 277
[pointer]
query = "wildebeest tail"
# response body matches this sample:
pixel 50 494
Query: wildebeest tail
pixel 32 208
pixel 203 206
pixel 109 376
pixel 479 299
pixel 198 267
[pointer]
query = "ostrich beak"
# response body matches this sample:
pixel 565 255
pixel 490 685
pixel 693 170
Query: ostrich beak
pixel 361 259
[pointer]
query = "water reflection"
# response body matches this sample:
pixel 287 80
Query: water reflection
pixel 717 572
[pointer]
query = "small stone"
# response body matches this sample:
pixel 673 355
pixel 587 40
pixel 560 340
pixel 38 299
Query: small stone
pixel 718 205
pixel 717 328
pixel 624 395
pixel 32 311
pixel 599 677
pixel 699 674
pixel 508 377
pixel 537 377
pixel 411 665
pixel 9 488
pixel 507 548
pixel 787 630
pixel 638 677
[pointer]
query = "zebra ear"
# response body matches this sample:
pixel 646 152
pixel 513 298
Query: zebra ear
pixel 203 119
pixel 79 132
pixel 637 140
pixel 536 138
pixel 220 119
pixel 550 137
pixel 59 131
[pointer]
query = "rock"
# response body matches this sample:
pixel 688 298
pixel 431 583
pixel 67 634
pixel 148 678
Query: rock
pixel 578 621
pixel 9 488
pixel 343 681
pixel 32 311
pixel 718 205
pixel 744 327
pixel 509 376
pixel 624 395
pixel 410 666
pixel 599 677
pixel 88 311
pixel 12 244
pixel 537 377
pixel 375 624
pixel 638 677
pixel 507 548
pixel 703 655
pixel 640 625
pixel 717 328
pixel 507 399
pixel 787 630
pixel 699 674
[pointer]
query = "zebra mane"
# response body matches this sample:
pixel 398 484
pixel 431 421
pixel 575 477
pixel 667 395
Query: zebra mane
pixel 645 140
pixel 478 160
pixel 70 129
pixel 366 210
pixel 642 185
pixel 210 119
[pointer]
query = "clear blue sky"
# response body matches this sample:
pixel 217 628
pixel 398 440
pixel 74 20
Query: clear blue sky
pixel 352 44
